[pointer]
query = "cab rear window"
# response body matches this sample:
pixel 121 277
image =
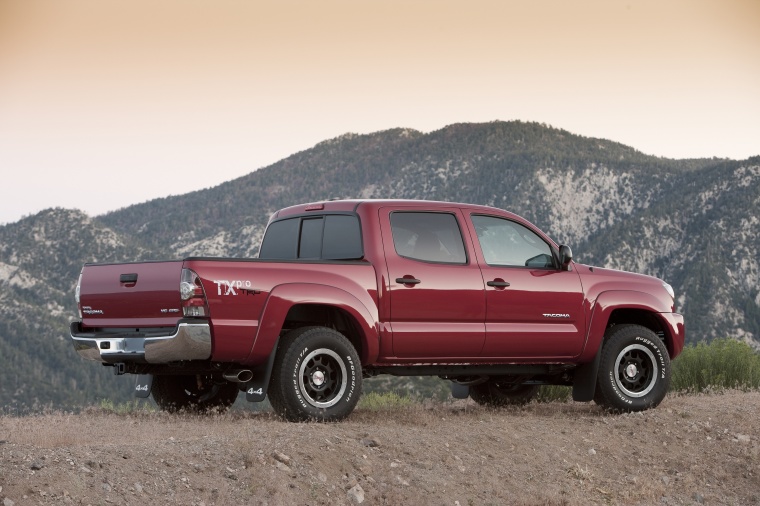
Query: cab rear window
pixel 327 237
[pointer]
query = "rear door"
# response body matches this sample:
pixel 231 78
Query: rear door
pixel 533 309
pixel 436 288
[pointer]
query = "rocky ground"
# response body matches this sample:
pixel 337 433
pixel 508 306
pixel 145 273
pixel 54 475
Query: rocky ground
pixel 701 449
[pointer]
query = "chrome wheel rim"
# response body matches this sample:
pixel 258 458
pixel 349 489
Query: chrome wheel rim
pixel 322 378
pixel 636 370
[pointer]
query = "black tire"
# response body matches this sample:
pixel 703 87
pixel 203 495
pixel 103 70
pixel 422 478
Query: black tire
pixel 497 393
pixel 634 370
pixel 194 393
pixel 317 376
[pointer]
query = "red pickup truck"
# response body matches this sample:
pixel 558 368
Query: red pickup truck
pixel 345 290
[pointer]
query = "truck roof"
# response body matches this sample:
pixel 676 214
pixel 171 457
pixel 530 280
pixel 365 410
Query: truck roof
pixel 351 205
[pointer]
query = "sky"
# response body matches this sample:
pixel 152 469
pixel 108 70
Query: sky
pixel 105 104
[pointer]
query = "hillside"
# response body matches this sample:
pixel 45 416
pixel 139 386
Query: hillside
pixel 692 222
pixel 691 450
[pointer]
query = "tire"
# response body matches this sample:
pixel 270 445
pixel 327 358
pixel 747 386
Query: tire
pixel 317 376
pixel 634 370
pixel 497 393
pixel 194 393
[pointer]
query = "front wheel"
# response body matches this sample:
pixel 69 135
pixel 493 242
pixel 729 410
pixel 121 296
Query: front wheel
pixel 634 370
pixel 317 376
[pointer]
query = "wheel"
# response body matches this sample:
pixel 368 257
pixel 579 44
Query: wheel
pixel 634 370
pixel 316 376
pixel 193 393
pixel 496 392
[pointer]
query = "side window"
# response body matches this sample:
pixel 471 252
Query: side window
pixel 505 242
pixel 430 237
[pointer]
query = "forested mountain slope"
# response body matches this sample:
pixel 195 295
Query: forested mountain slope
pixel 693 223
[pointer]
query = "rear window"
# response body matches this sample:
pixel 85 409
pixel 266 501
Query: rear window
pixel 329 237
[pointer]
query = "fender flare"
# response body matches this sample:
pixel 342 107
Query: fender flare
pixel 584 382
pixel 603 307
pixel 283 297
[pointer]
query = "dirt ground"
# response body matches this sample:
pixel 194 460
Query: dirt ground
pixel 702 449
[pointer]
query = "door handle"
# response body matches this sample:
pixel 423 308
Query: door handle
pixel 408 281
pixel 498 283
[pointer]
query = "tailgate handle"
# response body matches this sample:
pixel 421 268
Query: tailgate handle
pixel 128 278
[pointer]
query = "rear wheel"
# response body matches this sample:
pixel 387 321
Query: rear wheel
pixel 634 370
pixel 192 393
pixel 496 392
pixel 316 376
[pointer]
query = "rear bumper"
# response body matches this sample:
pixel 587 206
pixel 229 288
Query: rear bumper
pixel 189 340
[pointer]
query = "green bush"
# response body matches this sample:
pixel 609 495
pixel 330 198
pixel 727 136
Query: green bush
pixel 722 364
pixel 376 401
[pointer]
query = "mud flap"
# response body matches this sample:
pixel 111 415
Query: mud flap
pixel 584 382
pixel 143 384
pixel 459 391
pixel 256 387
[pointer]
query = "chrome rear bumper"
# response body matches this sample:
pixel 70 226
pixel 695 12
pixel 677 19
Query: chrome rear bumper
pixel 186 341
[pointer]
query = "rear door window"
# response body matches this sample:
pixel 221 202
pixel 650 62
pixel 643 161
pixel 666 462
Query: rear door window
pixel 429 237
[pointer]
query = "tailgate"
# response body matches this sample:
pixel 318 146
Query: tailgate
pixel 131 295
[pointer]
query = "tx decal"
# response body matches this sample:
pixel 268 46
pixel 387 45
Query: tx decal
pixel 234 287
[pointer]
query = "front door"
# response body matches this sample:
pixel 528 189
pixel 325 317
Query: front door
pixel 533 309
pixel 436 288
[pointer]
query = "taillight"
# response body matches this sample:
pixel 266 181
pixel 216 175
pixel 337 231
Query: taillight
pixel 191 292
pixel 78 294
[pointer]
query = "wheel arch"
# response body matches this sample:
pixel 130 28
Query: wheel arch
pixel 296 305
pixel 629 307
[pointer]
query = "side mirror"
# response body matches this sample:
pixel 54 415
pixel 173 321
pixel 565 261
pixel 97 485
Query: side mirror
pixel 565 257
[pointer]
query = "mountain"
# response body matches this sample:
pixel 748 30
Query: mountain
pixel 693 223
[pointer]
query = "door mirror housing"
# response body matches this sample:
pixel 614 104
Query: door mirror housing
pixel 565 257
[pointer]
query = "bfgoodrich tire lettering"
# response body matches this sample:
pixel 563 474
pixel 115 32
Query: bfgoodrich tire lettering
pixel 634 371
pixel 317 376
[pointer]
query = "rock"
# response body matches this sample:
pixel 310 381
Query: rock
pixel 138 488
pixel 699 498
pixel 592 452
pixel 742 438
pixel 371 443
pixel 282 467
pixel 666 480
pixel 8 502
pixel 322 477
pixel 402 481
pixel 356 494
pixel 281 457
pixel 36 466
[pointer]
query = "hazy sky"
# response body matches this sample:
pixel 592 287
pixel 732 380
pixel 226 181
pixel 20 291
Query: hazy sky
pixel 107 103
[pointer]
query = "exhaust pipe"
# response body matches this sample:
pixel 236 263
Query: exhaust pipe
pixel 238 375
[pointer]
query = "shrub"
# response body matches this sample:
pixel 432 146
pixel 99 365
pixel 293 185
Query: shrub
pixel 376 401
pixel 722 364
